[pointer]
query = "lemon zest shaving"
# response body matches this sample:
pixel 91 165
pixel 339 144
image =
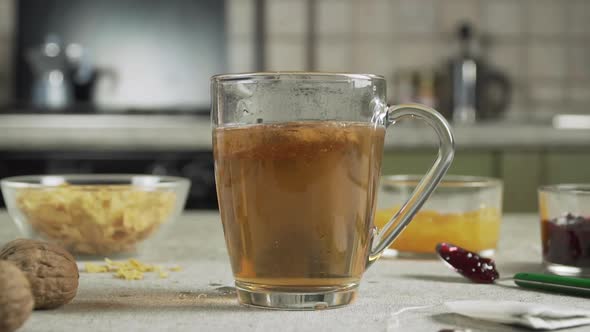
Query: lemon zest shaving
pixel 129 274
pixel 95 268
pixel 132 269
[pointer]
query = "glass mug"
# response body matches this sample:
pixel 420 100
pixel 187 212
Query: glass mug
pixel 297 164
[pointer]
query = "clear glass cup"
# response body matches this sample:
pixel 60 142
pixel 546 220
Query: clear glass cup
pixel 565 228
pixel 297 164
pixel 463 210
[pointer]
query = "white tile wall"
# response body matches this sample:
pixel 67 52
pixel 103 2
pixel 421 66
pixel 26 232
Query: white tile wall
pixel 286 17
pixel 283 54
pixel 240 55
pixel 579 93
pixel 543 45
pixel 546 60
pixel 375 18
pixel 375 57
pixel 546 18
pixel 416 17
pixel 334 17
pixel 544 112
pixel 579 17
pixel 417 54
pixel 6 17
pixel 547 93
pixel 286 24
pixel 508 57
pixel 579 61
pixel 333 55
pixel 519 99
pixel 517 113
pixel 503 18
pixel 240 17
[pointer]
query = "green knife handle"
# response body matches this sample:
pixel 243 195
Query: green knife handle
pixel 554 283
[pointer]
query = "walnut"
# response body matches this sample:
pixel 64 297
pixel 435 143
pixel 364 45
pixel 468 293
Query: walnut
pixel 16 299
pixel 52 271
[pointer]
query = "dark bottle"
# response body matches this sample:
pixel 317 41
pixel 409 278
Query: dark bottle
pixel 468 88
pixel 464 77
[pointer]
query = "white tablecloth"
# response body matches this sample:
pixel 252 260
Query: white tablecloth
pixel 395 295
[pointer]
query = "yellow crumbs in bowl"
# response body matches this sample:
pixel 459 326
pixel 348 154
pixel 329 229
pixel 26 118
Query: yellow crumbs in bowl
pixel 131 269
pixel 96 219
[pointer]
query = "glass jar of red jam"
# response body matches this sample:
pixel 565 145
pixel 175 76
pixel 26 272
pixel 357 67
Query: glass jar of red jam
pixel 565 228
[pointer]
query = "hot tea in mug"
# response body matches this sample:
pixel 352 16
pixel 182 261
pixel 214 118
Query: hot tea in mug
pixel 297 164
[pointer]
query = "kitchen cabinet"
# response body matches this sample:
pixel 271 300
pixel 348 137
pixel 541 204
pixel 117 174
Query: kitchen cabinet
pixel 522 171
pixel 566 167
pixel 418 162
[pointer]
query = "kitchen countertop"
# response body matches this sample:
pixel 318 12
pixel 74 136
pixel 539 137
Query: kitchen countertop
pixel 192 299
pixel 125 132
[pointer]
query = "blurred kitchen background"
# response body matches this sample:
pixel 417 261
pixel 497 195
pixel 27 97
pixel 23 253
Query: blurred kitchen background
pixel 123 86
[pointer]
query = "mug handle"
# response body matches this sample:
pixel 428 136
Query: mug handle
pixel 446 151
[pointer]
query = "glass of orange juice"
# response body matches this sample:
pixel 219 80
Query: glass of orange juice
pixel 463 210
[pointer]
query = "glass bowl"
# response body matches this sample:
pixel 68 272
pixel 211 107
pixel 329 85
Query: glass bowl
pixel 463 210
pixel 96 214
pixel 565 228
